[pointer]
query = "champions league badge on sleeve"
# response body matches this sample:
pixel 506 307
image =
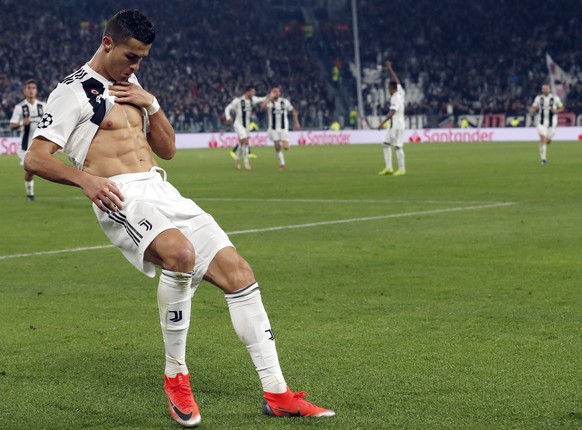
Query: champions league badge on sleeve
pixel 45 121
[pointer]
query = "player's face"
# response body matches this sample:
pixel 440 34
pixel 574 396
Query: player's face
pixel 30 91
pixel 276 93
pixel 545 90
pixel 250 93
pixel 123 59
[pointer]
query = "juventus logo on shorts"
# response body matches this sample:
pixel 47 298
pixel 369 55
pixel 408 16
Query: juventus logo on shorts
pixel 146 224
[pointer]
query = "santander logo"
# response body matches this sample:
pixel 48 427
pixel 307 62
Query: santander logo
pixel 415 137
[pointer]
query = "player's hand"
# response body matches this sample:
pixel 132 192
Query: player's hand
pixel 26 121
pixel 389 65
pixel 104 193
pixel 126 92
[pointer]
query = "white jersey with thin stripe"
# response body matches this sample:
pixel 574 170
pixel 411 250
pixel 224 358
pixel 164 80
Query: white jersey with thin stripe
pixel 74 111
pixel 277 114
pixel 397 105
pixel 545 104
pixel 22 110
pixel 243 109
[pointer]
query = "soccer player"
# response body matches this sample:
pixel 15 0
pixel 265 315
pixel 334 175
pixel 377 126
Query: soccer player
pixel 243 108
pixel 547 106
pixel 278 109
pixel 25 118
pixel 110 127
pixel 395 132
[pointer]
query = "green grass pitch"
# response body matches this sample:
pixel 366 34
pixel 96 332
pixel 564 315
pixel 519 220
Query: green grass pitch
pixel 450 298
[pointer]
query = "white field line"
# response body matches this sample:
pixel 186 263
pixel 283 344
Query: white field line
pixel 287 227
pixel 332 201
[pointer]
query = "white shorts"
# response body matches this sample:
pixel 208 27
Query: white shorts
pixel 241 131
pixel 152 206
pixel 21 154
pixel 394 136
pixel 546 131
pixel 279 135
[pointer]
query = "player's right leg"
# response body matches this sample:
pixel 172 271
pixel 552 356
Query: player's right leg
pixel 174 253
pixel 387 149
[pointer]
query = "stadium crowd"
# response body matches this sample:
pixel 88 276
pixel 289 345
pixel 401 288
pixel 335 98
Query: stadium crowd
pixel 462 58
pixel 469 57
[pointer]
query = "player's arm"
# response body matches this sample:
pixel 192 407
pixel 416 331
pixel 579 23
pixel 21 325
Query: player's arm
pixel 388 118
pixel 267 99
pixel 17 121
pixel 295 116
pixel 534 108
pixel 161 136
pixel 393 75
pixel 40 161
pixel 228 110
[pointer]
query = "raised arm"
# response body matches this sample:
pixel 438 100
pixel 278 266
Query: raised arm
pixel 393 75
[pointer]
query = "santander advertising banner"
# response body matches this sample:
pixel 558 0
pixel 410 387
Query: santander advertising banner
pixel 8 145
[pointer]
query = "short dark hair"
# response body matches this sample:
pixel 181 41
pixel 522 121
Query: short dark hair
pixel 130 23
pixel 30 81
pixel 393 85
pixel 250 87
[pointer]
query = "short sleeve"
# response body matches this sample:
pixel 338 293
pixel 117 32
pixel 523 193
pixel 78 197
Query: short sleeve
pixel 16 115
pixel 61 116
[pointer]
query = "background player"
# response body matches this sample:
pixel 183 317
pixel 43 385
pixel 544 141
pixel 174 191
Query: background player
pixel 394 135
pixel 243 108
pixel 547 106
pixel 25 118
pixel 278 109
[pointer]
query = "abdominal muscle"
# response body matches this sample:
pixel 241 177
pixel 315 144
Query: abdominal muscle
pixel 119 146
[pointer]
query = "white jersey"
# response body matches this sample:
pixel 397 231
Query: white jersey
pixel 74 111
pixel 397 105
pixel 277 113
pixel 34 111
pixel 545 104
pixel 243 109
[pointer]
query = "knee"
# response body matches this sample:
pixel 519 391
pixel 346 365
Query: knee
pixel 175 254
pixel 240 276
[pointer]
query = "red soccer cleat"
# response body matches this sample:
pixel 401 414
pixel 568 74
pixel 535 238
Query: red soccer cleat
pixel 291 404
pixel 182 406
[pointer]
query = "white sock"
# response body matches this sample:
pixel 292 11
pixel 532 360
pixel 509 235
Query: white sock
pixel 387 155
pixel 29 185
pixel 543 149
pixel 400 157
pixel 281 158
pixel 245 153
pixel 174 304
pixel 239 152
pixel 252 326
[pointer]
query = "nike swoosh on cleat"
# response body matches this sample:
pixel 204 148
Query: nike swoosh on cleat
pixel 290 414
pixel 182 415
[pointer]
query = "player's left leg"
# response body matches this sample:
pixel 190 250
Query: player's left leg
pixel 29 185
pixel 230 272
pixel 399 149
pixel 280 155
pixel 543 150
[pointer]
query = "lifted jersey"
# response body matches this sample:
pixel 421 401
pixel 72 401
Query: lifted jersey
pixel 34 111
pixel 75 110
